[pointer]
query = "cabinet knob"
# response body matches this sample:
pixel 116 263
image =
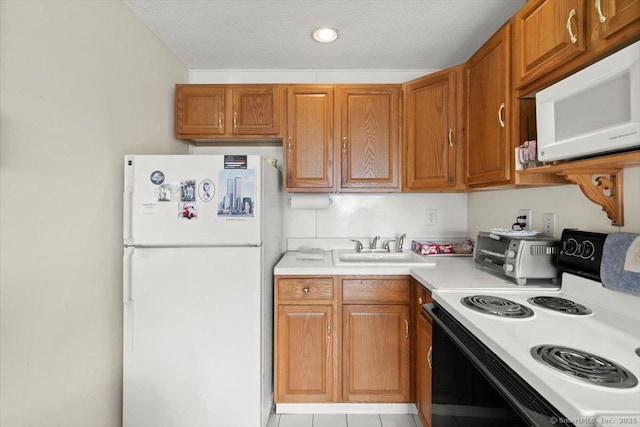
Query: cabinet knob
pixel 573 38
pixel 305 290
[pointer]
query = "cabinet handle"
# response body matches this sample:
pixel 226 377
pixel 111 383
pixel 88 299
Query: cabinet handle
pixel 344 144
pixel 573 38
pixel 289 144
pixel 328 329
pixel 601 17
pixel 429 355
pixel 419 300
pixel 305 290
pixel 500 115
pixel 406 328
pixel 235 120
pixel 220 120
pixel 450 132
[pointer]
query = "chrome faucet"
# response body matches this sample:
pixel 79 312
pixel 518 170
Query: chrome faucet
pixel 400 242
pixel 374 242
pixel 386 246
pixel 358 245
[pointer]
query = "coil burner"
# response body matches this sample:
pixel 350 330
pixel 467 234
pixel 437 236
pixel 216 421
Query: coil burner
pixel 584 366
pixel 560 304
pixel 497 306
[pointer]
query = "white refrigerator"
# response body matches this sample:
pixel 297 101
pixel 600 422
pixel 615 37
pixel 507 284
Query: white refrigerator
pixel 201 237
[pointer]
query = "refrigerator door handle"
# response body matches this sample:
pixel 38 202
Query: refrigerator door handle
pixel 127 299
pixel 126 275
pixel 127 202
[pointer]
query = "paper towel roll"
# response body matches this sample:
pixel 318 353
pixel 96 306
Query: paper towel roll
pixel 310 201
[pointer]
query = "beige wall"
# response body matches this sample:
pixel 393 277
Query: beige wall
pixel 489 209
pixel 81 84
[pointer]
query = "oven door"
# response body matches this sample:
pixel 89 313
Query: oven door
pixel 472 386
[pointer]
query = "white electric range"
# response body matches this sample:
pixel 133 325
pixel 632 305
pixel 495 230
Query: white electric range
pixel 581 355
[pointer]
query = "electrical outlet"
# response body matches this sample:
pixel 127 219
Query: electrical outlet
pixel 524 217
pixel 431 217
pixel 549 224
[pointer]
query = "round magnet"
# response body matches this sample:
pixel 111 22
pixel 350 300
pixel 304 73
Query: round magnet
pixel 206 190
pixel 157 177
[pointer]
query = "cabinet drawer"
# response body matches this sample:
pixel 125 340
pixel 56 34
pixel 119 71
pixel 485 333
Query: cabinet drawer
pixel 297 289
pixel 376 290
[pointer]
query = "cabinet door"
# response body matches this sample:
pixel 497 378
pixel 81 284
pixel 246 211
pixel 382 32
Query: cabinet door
pixel 430 149
pixel 199 110
pixel 308 153
pixel 257 110
pixel 424 336
pixel 487 146
pixel 369 117
pixel 304 348
pixel 547 34
pixel 609 17
pixel 375 353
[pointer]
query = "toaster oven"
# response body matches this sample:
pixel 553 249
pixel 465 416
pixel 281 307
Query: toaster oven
pixel 519 258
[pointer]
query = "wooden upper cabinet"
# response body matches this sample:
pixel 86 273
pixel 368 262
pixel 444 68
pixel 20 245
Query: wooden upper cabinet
pixel 548 33
pixel 369 129
pixel 611 21
pixel 229 111
pixel 308 143
pixel 488 99
pixel 431 141
pixel 256 110
pixel 199 110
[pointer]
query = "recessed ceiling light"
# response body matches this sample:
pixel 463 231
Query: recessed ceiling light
pixel 324 34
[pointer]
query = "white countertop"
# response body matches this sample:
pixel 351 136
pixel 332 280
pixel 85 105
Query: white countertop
pixel 444 272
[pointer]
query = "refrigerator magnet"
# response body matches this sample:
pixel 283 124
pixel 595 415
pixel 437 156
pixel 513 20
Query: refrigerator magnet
pixel 164 193
pixel 188 191
pixel 188 210
pixel 206 190
pixel 157 177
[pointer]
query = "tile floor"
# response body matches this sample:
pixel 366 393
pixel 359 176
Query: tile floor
pixel 342 420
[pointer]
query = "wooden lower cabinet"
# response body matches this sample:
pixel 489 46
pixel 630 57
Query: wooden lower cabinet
pixel 304 350
pixel 375 355
pixel 367 359
pixel 422 339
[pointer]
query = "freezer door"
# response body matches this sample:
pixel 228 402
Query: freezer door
pixel 192 337
pixel 192 200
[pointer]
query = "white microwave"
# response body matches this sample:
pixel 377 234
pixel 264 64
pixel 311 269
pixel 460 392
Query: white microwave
pixel 594 111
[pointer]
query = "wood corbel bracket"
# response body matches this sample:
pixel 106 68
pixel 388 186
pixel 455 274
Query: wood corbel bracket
pixel 603 187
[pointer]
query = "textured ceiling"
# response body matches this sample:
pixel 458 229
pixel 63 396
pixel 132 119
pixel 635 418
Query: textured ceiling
pixel 276 34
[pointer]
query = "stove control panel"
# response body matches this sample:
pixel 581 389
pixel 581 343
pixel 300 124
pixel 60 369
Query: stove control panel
pixel 581 253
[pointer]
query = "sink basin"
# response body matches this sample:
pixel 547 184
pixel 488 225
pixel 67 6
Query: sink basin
pixel 374 258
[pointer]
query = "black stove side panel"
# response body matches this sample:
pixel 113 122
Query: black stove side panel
pixel 581 253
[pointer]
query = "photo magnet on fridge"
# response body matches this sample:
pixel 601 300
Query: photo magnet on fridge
pixel 188 210
pixel 188 190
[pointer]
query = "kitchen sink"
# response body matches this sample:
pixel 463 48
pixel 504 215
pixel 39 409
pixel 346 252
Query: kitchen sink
pixel 373 258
